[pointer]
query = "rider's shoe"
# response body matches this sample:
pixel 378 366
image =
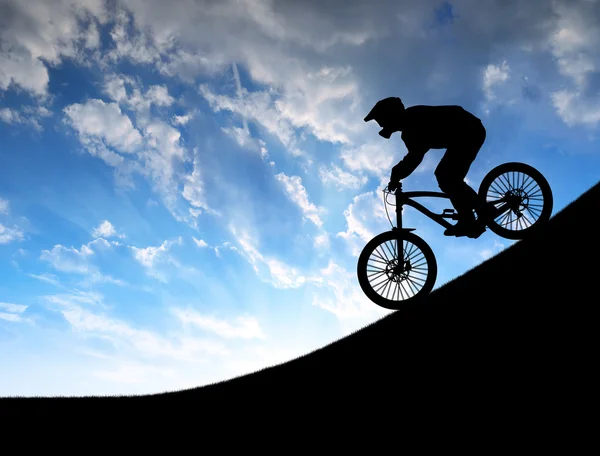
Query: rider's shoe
pixel 470 228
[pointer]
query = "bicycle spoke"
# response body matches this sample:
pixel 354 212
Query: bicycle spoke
pixel 384 253
pixel 384 282
pixel 499 190
pixel 378 274
pixel 527 220
pixel 380 257
pixel 507 181
pixel 508 215
pixel 494 193
pixel 533 210
pixel 411 286
pixel 375 266
pixel 526 189
pixel 390 282
pixel 525 180
pixel 390 251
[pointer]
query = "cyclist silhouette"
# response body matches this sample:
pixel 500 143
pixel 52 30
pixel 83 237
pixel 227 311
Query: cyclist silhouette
pixel 437 127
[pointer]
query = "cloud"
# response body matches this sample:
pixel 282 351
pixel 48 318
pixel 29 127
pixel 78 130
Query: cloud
pixel 154 149
pixel 342 297
pixel 28 115
pixel 375 157
pixel 244 327
pixel 148 256
pixel 280 274
pixel 194 191
pixel 296 192
pixel 103 124
pixel 4 206
pixel 12 312
pixel 341 179
pixel 48 278
pixel 494 75
pixel 575 109
pixel 199 242
pixel 106 230
pixel 365 218
pixel 8 235
pixel 40 34
pixel 322 240
pixel 181 120
pixel 67 259
pixel 78 261
pixel 131 341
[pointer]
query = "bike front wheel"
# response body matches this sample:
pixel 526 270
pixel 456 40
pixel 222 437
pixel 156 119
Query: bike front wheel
pixel 393 281
pixel 525 195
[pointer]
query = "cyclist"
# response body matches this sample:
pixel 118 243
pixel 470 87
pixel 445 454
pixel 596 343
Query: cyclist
pixel 437 127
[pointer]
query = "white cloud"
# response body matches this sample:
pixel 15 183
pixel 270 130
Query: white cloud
pixel 12 312
pixel 27 115
pixel 280 274
pixel 96 121
pixel 349 304
pixel 14 308
pixel 148 256
pixel 182 120
pixel 67 259
pixel 77 261
pixel 258 107
pixel 572 44
pixel 39 33
pixel 106 230
pixel 10 116
pixel 244 327
pixel 298 194
pixel 341 179
pixel 3 206
pixel 48 278
pixel 130 341
pixel 8 235
pixel 575 109
pixel 322 240
pixel 494 75
pixel 193 188
pixel 375 157
pixel 365 218
pixel 159 95
pixel 199 242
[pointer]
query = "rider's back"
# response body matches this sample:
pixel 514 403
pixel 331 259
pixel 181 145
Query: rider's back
pixel 436 127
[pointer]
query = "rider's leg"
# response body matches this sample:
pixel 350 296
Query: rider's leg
pixel 451 172
pixel 450 175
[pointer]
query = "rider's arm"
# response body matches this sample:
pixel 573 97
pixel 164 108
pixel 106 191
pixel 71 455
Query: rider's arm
pixel 408 164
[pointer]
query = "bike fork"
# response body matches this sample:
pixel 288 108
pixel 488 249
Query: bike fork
pixel 399 240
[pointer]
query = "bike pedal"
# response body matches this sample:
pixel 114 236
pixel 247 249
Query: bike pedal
pixel 449 211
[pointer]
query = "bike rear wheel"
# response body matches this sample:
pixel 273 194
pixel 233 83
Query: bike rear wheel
pixel 392 283
pixel 525 194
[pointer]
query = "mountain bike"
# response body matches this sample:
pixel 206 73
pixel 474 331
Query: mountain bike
pixel 516 200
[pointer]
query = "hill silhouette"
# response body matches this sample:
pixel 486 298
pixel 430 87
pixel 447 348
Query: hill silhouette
pixel 514 332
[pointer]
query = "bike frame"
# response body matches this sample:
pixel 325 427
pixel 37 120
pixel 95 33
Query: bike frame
pixel 405 198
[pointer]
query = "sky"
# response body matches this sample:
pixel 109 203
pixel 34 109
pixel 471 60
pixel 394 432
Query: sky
pixel 185 186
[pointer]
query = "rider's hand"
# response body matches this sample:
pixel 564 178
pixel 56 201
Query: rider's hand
pixel 392 186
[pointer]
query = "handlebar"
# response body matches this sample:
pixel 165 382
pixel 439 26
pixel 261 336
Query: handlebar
pixel 398 186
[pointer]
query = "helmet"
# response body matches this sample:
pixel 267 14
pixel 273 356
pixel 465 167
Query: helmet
pixel 384 113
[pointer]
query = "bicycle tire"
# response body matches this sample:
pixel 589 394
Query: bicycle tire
pixel 535 176
pixel 363 272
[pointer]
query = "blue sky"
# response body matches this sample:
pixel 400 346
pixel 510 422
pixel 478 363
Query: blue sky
pixel 185 187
